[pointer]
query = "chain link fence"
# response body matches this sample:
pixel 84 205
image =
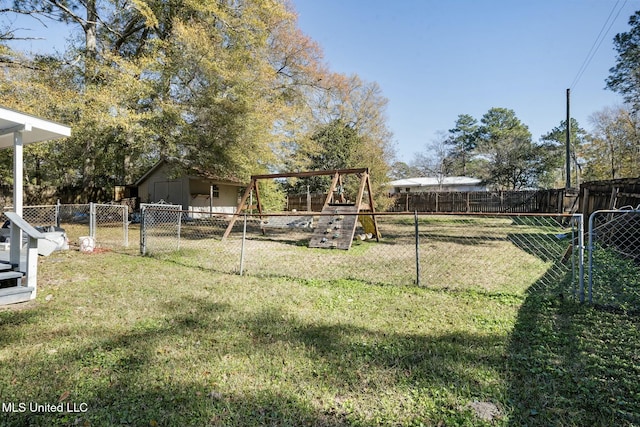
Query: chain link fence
pixel 75 219
pixel 452 251
pixel 160 226
pixel 110 224
pixel 107 224
pixel 614 259
pixel 483 252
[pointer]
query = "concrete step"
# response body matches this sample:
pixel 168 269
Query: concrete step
pixel 8 275
pixel 4 266
pixel 15 294
pixel 10 279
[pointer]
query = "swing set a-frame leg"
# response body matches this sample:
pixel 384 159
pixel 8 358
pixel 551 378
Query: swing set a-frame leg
pixel 241 206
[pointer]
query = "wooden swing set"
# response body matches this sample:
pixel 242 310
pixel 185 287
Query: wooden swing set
pixel 338 219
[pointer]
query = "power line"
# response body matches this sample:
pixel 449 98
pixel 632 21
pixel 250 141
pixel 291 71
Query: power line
pixel 598 41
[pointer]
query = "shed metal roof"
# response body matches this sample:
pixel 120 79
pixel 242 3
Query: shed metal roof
pixel 435 181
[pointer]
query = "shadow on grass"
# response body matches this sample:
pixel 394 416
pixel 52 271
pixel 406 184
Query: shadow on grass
pixel 547 247
pixel 17 316
pixel 140 374
pixel 348 357
pixel 615 281
pixel 112 379
pixel 571 365
pixel 426 237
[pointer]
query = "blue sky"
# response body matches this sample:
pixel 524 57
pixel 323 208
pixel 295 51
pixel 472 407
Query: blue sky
pixel 436 59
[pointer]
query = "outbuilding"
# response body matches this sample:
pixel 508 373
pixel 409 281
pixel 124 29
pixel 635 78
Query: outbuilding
pixel 169 182
pixel 430 184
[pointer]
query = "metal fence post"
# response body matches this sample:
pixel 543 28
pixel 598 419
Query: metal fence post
pixel 590 249
pixel 581 258
pixel 244 237
pixel 143 239
pixel 58 221
pixel 125 224
pixel 92 220
pixel 415 214
pixel 179 225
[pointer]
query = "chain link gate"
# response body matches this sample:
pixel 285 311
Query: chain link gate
pixel 160 227
pixel 75 219
pixel 109 224
pixel 614 259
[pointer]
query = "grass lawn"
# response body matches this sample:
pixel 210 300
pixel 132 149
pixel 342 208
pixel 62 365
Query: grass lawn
pixel 140 341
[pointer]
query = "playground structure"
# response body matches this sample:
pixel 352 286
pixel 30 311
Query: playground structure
pixel 336 225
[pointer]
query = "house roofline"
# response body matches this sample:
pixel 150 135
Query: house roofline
pixel 191 173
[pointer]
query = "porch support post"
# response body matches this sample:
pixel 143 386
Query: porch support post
pixel 18 199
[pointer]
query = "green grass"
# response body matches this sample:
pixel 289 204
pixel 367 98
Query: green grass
pixel 491 254
pixel 615 281
pixel 572 365
pixel 149 342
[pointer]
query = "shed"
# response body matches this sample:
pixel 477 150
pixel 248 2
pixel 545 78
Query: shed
pixel 429 184
pixel 195 191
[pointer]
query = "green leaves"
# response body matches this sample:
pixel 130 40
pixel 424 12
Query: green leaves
pixel 215 84
pixel 623 77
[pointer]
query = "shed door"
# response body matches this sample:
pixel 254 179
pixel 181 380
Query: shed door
pixel 169 191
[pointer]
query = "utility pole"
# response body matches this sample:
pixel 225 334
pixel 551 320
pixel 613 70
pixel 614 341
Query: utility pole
pixel 568 143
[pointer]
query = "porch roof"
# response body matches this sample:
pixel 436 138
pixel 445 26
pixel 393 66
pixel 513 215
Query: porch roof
pixel 33 129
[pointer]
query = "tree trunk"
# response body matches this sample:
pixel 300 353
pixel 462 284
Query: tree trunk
pixel 91 30
pixel 88 165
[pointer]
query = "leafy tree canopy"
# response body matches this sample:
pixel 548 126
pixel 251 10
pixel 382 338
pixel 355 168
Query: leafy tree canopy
pixel 512 160
pixel 230 87
pixel 624 77
pixel 613 150
pixel 554 150
pixel 463 140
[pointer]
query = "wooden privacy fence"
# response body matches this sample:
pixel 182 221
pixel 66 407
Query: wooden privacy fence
pixel 612 194
pixel 312 202
pixel 530 201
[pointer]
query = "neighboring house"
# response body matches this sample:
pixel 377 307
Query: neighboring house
pixel 199 192
pixel 427 184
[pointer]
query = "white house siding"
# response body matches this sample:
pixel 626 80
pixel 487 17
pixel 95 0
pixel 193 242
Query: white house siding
pixel 429 184
pixel 225 201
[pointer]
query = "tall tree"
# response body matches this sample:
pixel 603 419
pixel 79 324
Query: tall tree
pixel 624 77
pixel 212 84
pixel 554 149
pixel 613 151
pixel 513 161
pixel 435 161
pixel 335 146
pixel 362 106
pixel 401 170
pixel 463 139
pixel 109 91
